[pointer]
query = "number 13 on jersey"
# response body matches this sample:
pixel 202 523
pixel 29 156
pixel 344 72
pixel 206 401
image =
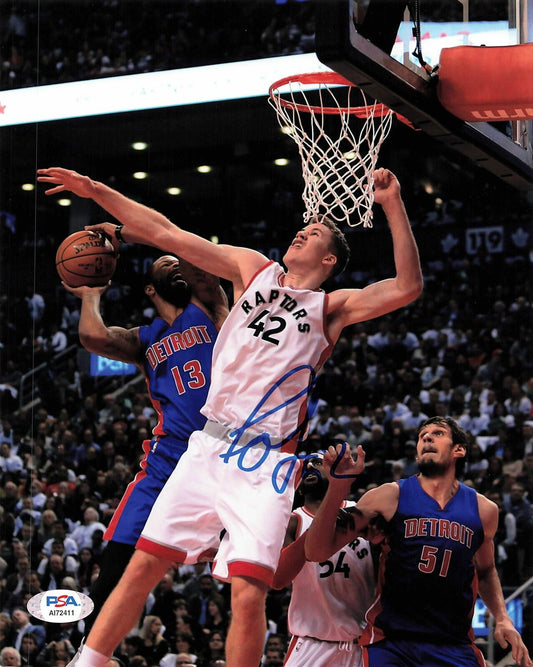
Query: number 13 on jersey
pixel 190 376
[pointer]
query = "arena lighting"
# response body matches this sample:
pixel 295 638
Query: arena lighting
pixel 155 90
pixel 139 146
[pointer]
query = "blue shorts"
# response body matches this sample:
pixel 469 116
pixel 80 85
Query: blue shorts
pixel 159 460
pixel 414 653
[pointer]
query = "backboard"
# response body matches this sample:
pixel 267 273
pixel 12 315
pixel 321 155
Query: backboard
pixel 371 43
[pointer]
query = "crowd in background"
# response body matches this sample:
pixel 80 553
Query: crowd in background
pixel 144 37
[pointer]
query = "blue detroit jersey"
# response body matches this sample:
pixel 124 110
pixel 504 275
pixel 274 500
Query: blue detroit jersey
pixel 428 584
pixel 177 366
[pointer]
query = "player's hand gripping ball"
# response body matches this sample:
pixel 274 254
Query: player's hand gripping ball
pixel 86 258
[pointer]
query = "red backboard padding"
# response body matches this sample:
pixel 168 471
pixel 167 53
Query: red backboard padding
pixel 487 83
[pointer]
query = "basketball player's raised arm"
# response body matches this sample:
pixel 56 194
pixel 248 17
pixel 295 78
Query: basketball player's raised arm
pixel 324 536
pixel 330 531
pixel 386 295
pixel 145 225
pixel 490 588
pixel 112 342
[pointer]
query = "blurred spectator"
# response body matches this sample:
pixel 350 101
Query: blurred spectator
pixel 198 602
pixel 6 630
pixel 473 420
pixel 410 464
pixel 412 419
pixel 522 509
pixel 163 606
pixel 215 648
pixel 83 534
pixel 518 403
pixel 54 652
pixel 60 531
pixel 29 649
pixel 52 572
pixel 10 657
pixel 9 461
pixel 154 646
pixel 506 555
pixel 57 340
pixel 476 465
pixel 527 432
pixel 217 615
pixel 22 625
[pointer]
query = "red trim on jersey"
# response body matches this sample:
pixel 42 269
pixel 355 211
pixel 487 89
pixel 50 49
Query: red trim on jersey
pixel 325 318
pixel 158 428
pixel 290 446
pixel 306 511
pixel 299 522
pixel 290 648
pixel 364 652
pixel 144 544
pixel 478 655
pixel 253 570
pixel 208 554
pixel 372 634
pixel 108 535
pixel 269 262
pixel 475 590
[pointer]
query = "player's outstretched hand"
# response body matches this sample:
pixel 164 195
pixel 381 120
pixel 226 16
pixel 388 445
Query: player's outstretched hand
pixel 106 228
pixel 85 290
pixel 505 633
pixel 66 180
pixel 386 186
pixel 340 464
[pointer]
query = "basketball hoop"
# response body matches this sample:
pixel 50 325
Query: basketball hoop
pixel 337 163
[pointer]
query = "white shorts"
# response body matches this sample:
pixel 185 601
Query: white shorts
pixel 304 651
pixel 207 494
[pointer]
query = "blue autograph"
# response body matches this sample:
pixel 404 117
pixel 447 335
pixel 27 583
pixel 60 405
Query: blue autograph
pixel 291 461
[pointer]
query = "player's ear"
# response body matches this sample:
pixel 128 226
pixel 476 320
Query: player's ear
pixel 330 260
pixel 460 450
pixel 149 290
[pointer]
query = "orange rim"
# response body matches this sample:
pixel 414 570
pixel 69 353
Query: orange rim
pixel 331 78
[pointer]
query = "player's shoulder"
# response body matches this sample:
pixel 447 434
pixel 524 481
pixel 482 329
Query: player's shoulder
pixel 382 500
pixel 487 508
pixel 337 298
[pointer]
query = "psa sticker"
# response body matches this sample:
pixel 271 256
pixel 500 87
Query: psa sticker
pixel 60 606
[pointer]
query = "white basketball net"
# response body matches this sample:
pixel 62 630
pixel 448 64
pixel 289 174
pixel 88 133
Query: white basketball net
pixel 338 170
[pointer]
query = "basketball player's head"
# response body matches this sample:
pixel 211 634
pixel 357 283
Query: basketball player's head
pixel 338 247
pixel 319 243
pixel 458 441
pixel 314 482
pixel 165 278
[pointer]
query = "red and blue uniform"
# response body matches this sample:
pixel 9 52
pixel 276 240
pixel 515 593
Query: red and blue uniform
pixel 177 366
pixel 427 585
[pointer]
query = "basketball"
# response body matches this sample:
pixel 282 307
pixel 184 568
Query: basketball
pixel 86 258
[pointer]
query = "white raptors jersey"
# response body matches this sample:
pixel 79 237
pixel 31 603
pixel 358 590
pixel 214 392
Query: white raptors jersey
pixel 329 600
pixel 266 355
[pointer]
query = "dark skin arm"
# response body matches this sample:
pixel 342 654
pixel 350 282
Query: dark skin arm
pixel 292 557
pixel 112 342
